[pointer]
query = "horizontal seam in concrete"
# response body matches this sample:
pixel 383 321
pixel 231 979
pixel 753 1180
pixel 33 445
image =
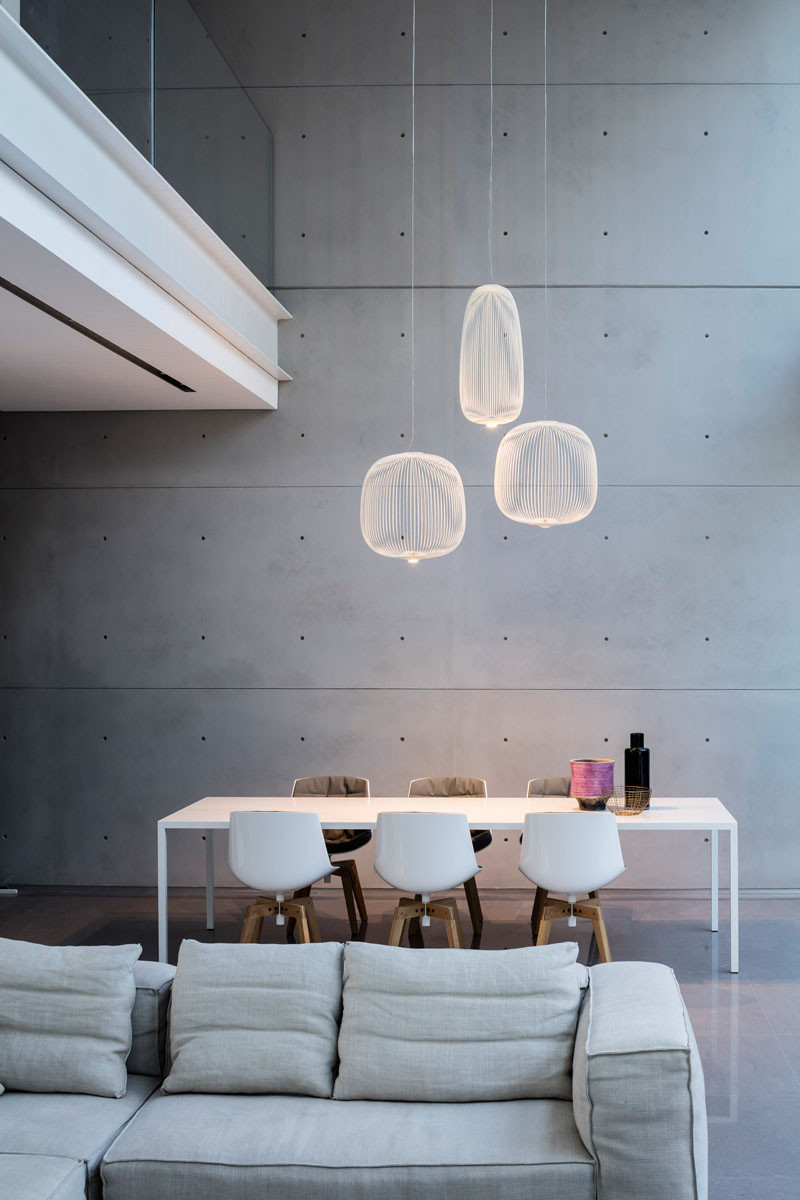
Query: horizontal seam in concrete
pixel 319 87
pixel 445 691
pixel 266 487
pixel 539 287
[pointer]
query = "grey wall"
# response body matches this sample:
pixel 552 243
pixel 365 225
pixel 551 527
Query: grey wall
pixel 188 607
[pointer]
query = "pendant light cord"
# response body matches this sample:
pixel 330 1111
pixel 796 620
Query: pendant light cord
pixel 491 138
pixel 546 307
pixel 413 206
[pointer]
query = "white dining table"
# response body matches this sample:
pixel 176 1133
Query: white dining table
pixel 703 814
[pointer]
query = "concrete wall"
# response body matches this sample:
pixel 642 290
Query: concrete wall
pixel 187 605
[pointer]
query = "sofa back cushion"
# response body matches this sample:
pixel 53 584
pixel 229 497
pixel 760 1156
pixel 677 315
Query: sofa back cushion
pixel 65 1017
pixel 255 1019
pixel 458 1025
pixel 148 1054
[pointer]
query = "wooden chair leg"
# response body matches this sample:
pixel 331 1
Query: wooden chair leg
pixel 601 933
pixel 357 892
pixel 452 924
pixel 311 919
pixel 474 904
pixel 301 916
pixel 345 873
pixel 290 924
pixel 539 902
pixel 398 925
pixel 543 936
pixel 252 924
pixel 414 927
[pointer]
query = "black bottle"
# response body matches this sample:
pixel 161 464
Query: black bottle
pixel 637 763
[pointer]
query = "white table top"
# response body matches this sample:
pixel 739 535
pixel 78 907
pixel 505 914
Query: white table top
pixel 492 812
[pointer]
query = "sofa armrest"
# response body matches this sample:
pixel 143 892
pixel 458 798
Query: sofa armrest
pixel 638 1091
pixel 149 1018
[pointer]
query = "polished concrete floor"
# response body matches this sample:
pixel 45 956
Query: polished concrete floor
pixel 747 1026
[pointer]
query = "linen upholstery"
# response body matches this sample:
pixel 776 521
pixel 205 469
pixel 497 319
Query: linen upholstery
pixel 41 1177
pixel 338 841
pixel 149 1018
pixel 65 1017
pixel 249 1147
pixel 458 1025
pixel 447 785
pixel 638 1089
pixel 69 1127
pixel 255 1019
pixel 550 785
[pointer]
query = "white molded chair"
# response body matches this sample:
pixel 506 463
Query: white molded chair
pixel 460 785
pixel 573 853
pixel 280 853
pixel 425 853
pixel 341 841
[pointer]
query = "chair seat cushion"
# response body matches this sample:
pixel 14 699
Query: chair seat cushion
pixel 352 840
pixel 41 1177
pixel 68 1126
pixel 204 1147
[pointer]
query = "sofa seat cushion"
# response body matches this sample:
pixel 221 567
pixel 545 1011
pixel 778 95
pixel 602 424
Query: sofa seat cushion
pixel 69 1127
pixel 194 1147
pixel 41 1177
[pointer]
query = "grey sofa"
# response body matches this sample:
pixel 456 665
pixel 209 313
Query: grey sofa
pixel 635 1128
pixel 51 1145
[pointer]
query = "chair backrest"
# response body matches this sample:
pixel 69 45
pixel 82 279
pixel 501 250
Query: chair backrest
pixel 424 852
pixel 447 785
pixel 331 785
pixel 549 785
pixel 277 851
pixel 571 852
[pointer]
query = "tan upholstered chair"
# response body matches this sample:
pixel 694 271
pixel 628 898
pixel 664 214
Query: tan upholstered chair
pixel 460 785
pixel 341 841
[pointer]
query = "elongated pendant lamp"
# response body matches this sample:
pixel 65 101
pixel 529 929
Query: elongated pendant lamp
pixel 545 472
pixel 412 504
pixel 491 373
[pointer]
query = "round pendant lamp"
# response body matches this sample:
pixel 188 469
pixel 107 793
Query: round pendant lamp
pixel 413 506
pixel 491 375
pixel 545 474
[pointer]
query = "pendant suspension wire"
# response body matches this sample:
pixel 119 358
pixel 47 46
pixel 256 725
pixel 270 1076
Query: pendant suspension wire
pixel 413 206
pixel 491 138
pixel 546 242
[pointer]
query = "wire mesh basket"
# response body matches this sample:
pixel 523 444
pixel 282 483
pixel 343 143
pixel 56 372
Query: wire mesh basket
pixel 627 801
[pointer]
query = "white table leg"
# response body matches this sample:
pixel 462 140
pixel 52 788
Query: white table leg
pixel 734 900
pixel 714 880
pixel 162 894
pixel 209 879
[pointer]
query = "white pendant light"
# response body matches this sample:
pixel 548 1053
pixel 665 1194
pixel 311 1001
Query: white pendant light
pixel 413 504
pixel 491 374
pixel 545 472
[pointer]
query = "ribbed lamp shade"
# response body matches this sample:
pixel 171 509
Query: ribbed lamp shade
pixel 413 506
pixel 545 474
pixel 491 376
